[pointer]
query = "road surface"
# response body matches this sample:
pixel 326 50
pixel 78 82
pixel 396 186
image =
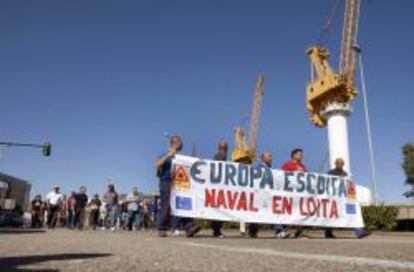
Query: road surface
pixel 64 250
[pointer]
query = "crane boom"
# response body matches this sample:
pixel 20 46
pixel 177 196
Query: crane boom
pixel 243 152
pixel 330 87
pixel 254 119
pixel 349 40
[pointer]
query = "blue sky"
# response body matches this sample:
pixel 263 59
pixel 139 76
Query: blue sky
pixel 103 80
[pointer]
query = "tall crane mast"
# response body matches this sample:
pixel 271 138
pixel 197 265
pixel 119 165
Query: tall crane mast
pixel 349 41
pixel 328 94
pixel 327 87
pixel 243 152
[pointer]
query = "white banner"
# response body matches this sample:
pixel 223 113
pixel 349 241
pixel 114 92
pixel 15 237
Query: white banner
pixel 230 191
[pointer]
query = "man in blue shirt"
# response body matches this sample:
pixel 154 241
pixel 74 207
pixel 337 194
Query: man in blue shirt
pixel 164 173
pixel 265 162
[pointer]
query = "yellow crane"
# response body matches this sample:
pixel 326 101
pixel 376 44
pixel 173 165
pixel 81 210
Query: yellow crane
pixel 327 86
pixel 245 151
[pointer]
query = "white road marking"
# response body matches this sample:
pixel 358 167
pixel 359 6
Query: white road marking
pixel 383 263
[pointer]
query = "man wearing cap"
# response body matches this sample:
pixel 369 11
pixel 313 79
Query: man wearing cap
pixel 53 201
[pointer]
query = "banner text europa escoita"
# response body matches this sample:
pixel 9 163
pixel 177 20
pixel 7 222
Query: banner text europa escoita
pixel 238 192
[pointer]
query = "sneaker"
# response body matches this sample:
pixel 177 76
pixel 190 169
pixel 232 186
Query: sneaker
pixel 282 235
pixel 176 233
pixel 219 235
pixel 192 231
pixel 162 234
pixel 253 235
pixel 113 229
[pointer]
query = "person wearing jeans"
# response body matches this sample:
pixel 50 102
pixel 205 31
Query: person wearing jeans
pixel 164 173
pixel 111 200
pixel 133 203
pixel 70 210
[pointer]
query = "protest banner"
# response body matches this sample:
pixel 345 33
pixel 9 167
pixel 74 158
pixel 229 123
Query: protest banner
pixel 231 191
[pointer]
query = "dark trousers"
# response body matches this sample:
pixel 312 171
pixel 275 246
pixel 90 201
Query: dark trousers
pixel 37 220
pixel 70 219
pixel 52 214
pixel 132 216
pixel 253 229
pixel 164 214
pixel 216 227
pixel 79 217
pixel 184 223
pixel 94 218
pixel 163 220
pixel 280 228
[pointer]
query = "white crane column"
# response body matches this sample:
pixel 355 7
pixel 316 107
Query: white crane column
pixel 336 115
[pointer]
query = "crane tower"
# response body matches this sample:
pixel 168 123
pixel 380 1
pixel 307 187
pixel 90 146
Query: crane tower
pixel 328 94
pixel 246 152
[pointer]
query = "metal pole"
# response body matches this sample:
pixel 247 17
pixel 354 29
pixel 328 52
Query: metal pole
pixel 369 135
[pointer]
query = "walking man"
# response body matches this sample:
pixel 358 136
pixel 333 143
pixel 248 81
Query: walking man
pixel 70 210
pixel 94 207
pixel 340 172
pixel 265 163
pixel 81 201
pixel 133 203
pixel 53 200
pixel 295 164
pixel 111 200
pixel 221 155
pixel 164 173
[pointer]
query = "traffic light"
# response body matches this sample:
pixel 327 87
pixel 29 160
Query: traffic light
pixel 47 149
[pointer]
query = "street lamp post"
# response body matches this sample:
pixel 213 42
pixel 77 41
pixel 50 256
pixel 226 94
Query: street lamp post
pixel 46 147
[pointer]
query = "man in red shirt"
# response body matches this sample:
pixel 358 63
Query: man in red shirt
pixel 294 165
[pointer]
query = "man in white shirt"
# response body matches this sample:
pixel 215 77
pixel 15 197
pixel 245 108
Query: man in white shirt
pixel 134 206
pixel 53 201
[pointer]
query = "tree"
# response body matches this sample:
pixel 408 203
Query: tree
pixel 408 167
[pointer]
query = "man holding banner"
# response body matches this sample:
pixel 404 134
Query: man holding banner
pixel 220 156
pixel 294 165
pixel 340 172
pixel 229 191
pixel 165 173
pixel 265 163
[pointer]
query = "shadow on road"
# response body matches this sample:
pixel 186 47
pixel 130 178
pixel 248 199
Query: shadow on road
pixel 20 231
pixel 272 237
pixel 13 263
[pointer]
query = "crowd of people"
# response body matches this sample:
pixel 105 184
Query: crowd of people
pixel 164 172
pixel 135 211
pixel 76 210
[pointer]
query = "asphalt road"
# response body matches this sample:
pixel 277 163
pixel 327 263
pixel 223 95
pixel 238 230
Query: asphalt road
pixel 63 250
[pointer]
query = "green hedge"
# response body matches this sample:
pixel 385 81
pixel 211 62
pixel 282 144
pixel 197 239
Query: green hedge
pixel 380 217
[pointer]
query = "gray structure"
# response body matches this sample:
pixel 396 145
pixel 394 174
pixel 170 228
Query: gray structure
pixel 14 190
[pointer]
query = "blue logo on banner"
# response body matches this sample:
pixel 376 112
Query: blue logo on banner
pixel 350 208
pixel 183 203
